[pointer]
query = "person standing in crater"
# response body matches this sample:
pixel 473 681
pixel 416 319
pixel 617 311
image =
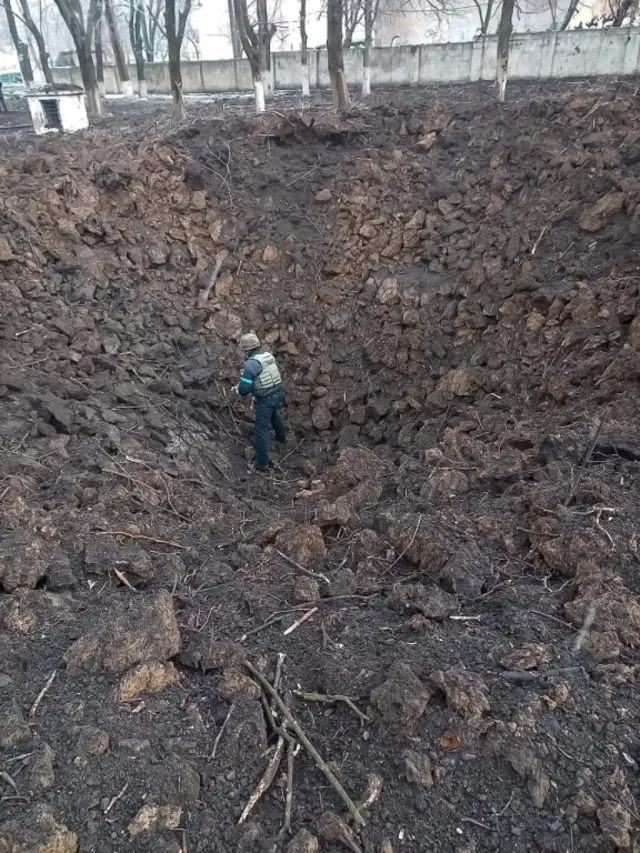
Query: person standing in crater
pixel 261 377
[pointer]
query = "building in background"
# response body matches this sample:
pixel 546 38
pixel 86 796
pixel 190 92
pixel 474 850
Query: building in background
pixel 426 21
pixel 213 29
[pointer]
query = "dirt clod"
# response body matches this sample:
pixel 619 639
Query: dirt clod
pixel 37 832
pixel 402 699
pixel 151 818
pixel 303 842
pixel 145 631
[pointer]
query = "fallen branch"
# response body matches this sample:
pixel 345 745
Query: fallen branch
pixel 8 779
pixel 586 627
pixel 300 621
pixel 288 802
pixel 537 243
pixel 331 700
pixel 121 577
pixel 267 778
pixel 117 797
pixel 216 742
pixel 272 620
pixel 302 569
pixel 42 694
pixel 585 462
pixel 304 740
pixel 272 767
pixel 128 535
pixel 515 675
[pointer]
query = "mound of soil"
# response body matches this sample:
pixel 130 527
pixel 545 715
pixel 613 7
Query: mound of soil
pixel 451 288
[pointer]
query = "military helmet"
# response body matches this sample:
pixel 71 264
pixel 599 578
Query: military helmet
pixel 249 341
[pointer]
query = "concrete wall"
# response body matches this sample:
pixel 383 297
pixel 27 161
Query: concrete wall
pixel 533 56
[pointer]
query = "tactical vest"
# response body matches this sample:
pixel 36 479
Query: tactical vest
pixel 270 377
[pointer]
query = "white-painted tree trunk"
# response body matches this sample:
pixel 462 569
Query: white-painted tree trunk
pixel 267 83
pixel 143 89
pixel 306 83
pixel 259 92
pixel 101 89
pixel 502 83
pixel 127 88
pixel 366 81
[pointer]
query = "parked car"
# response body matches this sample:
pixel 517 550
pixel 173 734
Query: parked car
pixel 10 78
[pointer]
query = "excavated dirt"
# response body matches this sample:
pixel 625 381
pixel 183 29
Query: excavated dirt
pixel 452 288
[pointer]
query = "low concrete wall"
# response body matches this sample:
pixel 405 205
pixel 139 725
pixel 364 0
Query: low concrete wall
pixel 533 56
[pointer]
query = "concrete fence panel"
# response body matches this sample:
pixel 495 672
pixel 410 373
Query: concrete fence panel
pixel 533 56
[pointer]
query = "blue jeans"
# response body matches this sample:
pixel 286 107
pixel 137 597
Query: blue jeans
pixel 268 416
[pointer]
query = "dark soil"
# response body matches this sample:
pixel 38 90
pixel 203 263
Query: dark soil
pixel 452 289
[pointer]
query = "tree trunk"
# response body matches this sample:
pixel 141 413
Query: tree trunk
pixel 37 37
pixel 334 50
pixel 118 53
pixel 136 14
pixel 251 46
pixel 234 35
pixel 304 51
pixel 82 39
pixel 99 56
pixel 265 32
pixel 571 10
pixel 175 34
pixel 624 7
pixel 487 19
pixel 21 47
pixel 504 37
pixel 89 79
pixel 366 56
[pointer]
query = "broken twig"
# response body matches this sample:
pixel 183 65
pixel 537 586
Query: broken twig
pixel 117 797
pixel 267 778
pixel 122 578
pixel 310 748
pixel 308 572
pixel 42 694
pixel 404 551
pixel 216 742
pixel 585 461
pixel 9 780
pixel 300 621
pixel 331 700
pixel 272 767
pixel 128 535
pixel 584 630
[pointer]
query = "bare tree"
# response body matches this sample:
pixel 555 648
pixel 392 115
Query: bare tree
pixel 136 16
pixel 370 14
pixel 256 43
pixel 152 27
pixel 22 49
pixel 98 49
pixel 234 35
pixel 568 15
pixel 485 13
pixel 620 10
pixel 353 13
pixel 334 50
pixel 175 34
pixel 304 50
pixel 82 34
pixel 505 28
pixel 118 53
pixel 35 31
